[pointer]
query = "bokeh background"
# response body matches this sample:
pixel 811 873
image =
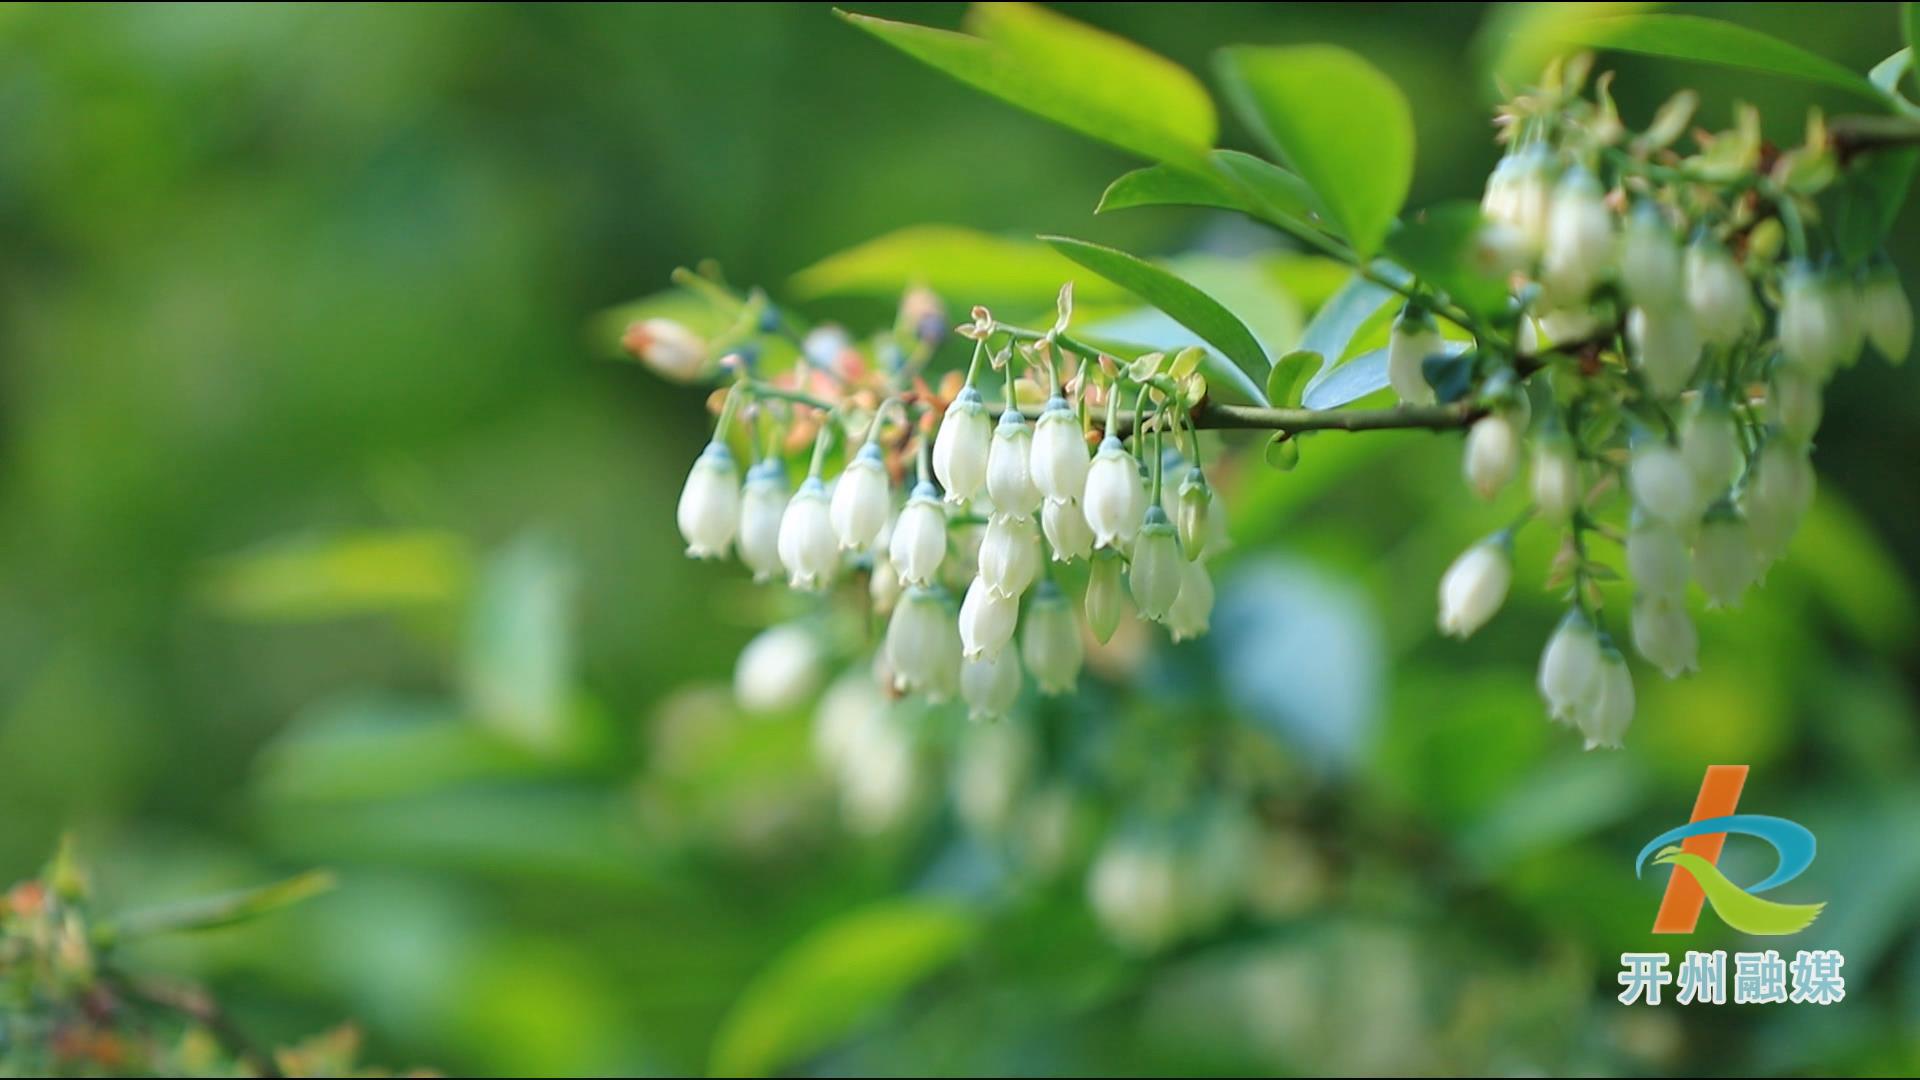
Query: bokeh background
pixel 331 535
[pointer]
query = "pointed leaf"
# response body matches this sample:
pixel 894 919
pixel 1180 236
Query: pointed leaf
pixel 1064 71
pixel 1186 305
pixel 227 909
pixel 1351 381
pixel 1340 123
pixel 1242 182
pixel 1887 73
pixel 962 264
pixel 1334 325
pixel 1710 41
pixel 1288 378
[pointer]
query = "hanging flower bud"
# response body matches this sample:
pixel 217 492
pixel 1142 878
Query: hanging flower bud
pixel 1811 337
pixel 1192 610
pixel 808 548
pixel 1665 346
pixel 1532 195
pixel 1657 557
pixel 859 506
pixel 1009 477
pixel 1492 455
pixel 1009 555
pixel 1580 241
pixel 923 648
pixel 1650 264
pixel 1190 513
pixel 1718 293
pixel 1105 598
pixel 990 684
pixel 1662 483
pixel 960 448
pixel 986 620
pixel 669 348
pixel 1475 586
pixel 1060 458
pixel 1664 635
pixel 1570 667
pixel 1725 562
pixel 919 538
pixel 1497 202
pixel 1415 337
pixel 1156 566
pixel 1797 402
pixel 1050 641
pixel 1133 888
pixel 1555 478
pixel 1116 497
pixel 1066 530
pixel 761 507
pixel 1888 315
pixel 1847 301
pixel 778 670
pixel 709 511
pixel 1777 495
pixel 1711 444
pixel 883 587
pixel 1605 720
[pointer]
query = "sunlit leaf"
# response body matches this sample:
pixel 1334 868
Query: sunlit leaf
pixel 963 264
pixel 1081 78
pixel 835 979
pixel 1351 381
pixel 1185 304
pixel 308 578
pixel 226 909
pixel 1242 182
pixel 1289 376
pixel 1710 41
pixel 520 644
pixel 1337 121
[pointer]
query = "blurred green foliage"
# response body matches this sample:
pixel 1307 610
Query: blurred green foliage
pixel 331 537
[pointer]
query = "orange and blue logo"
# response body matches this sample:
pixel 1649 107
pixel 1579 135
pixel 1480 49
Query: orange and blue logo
pixel 1693 851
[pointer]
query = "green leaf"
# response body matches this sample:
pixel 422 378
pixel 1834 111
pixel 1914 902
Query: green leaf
pixel 1186 305
pixel 838 977
pixel 1162 185
pixel 1910 27
pixel 1283 451
pixel 1364 374
pixel 1064 71
pixel 226 909
pixel 1439 245
pixel 1242 182
pixel 519 650
pixel 1861 208
pixel 361 573
pixel 1710 41
pixel 964 264
pixel 1340 123
pixel 1887 73
pixel 1341 317
pixel 1288 379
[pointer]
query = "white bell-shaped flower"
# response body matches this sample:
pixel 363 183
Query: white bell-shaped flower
pixel 1106 596
pixel 709 511
pixel 986 620
pixel 778 670
pixel 1050 641
pixel 1663 633
pixel 990 684
pixel 1665 346
pixel 1725 560
pixel 1009 466
pixel 1192 610
pixel 1777 494
pixel 762 505
pixel 923 647
pixel 1060 457
pixel 1155 576
pixel 808 548
pixel 1605 720
pixel 1710 442
pixel 1474 587
pixel 1116 498
pixel 1797 401
pixel 1492 454
pixel 1134 890
pixel 961 446
pixel 1650 260
pixel 1718 293
pixel 669 348
pixel 1570 667
pixel 1415 337
pixel 1579 251
pixel 1888 315
pixel 1191 512
pixel 1657 557
pixel 1531 201
pixel 883 587
pixel 1662 483
pixel 1010 554
pixel 1555 478
pixel 1066 530
pixel 860 502
pixel 919 539
pixel 1811 337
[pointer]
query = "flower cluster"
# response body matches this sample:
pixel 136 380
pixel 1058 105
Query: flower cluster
pixel 1068 484
pixel 1675 317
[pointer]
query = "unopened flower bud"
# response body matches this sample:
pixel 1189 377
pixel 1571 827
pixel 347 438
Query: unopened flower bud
pixel 1888 315
pixel 883 587
pixel 762 505
pixel 1010 554
pixel 1415 337
pixel 1570 667
pixel 808 548
pixel 990 684
pixel 1657 557
pixel 1532 195
pixel 1134 890
pixel 709 511
pixel 1711 444
pixel 1650 263
pixel 1555 478
pixel 1725 561
pixel 1811 337
pixel 919 538
pixel 923 646
pixel 669 348
pixel 1155 577
pixel 1605 720
pixel 1474 587
pixel 1664 634
pixel 1060 459
pixel 1050 641
pixel 961 446
pixel 1662 483
pixel 986 620
pixel 1797 402
pixel 1777 495
pixel 1192 610
pixel 1718 293
pixel 1009 472
pixel 1492 454
pixel 778 670
pixel 1579 250
pixel 1190 513
pixel 1066 530
pixel 1116 497
pixel 1106 599
pixel 859 506
pixel 1665 346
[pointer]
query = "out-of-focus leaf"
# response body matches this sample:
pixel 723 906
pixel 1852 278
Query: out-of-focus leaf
pixel 227 909
pixel 1340 123
pixel 1064 71
pixel 1910 26
pixel 1887 73
pixel 1187 305
pixel 1710 41
pixel 1564 800
pixel 312 578
pixel 1861 208
pixel 1351 381
pixel 959 263
pixel 1439 245
pixel 1335 324
pixel 519 653
pixel 1272 193
pixel 1853 575
pixel 835 979
pixel 1242 182
pixel 1516 40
